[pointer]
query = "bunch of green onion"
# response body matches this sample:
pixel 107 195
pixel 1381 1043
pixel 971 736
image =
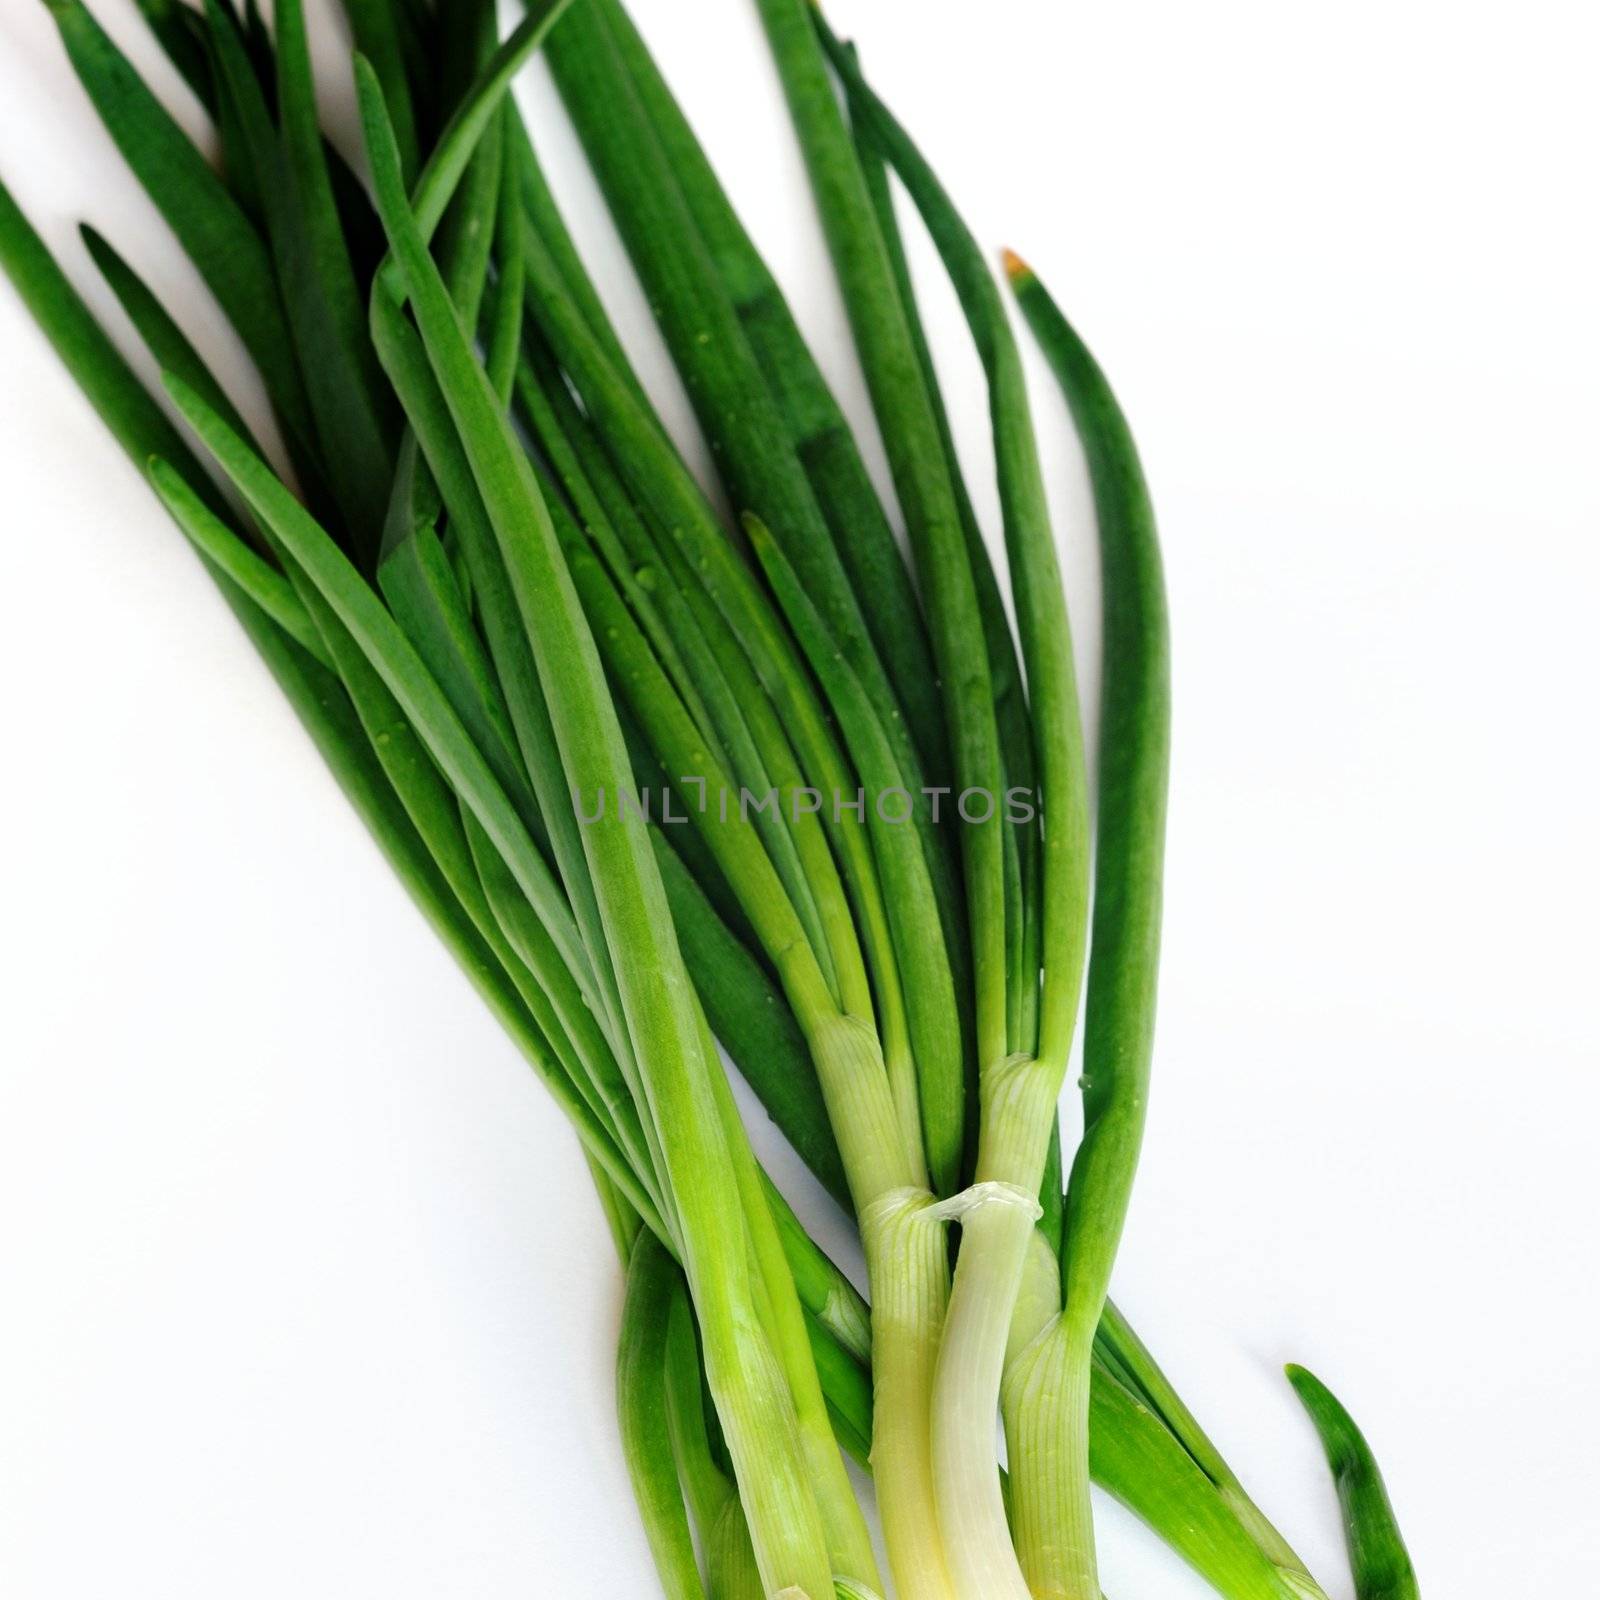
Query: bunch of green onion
pixel 509 616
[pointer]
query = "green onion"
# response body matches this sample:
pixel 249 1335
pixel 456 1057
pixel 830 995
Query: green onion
pixel 484 629
pixel 1018 1094
pixel 1057 1545
pixel 653 990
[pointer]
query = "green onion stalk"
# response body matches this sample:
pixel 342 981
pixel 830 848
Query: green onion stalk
pixel 1045 1415
pixel 861 998
pixel 968 1515
pixel 875 1111
pixel 1018 1087
pixel 671 1044
pixel 848 1544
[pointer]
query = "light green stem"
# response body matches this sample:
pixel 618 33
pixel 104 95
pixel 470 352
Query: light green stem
pixel 994 1245
pixel 1017 1101
pixel 1046 1403
pixel 907 1266
pixel 849 1543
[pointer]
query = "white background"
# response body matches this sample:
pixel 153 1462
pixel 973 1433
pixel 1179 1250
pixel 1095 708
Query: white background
pixel 304 1290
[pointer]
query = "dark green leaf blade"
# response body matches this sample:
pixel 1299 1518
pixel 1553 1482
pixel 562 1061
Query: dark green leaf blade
pixel 266 587
pixel 822 437
pixel 218 237
pixel 180 32
pixel 353 409
pixel 1379 1559
pixel 162 336
pixel 379 33
pixel 643 1412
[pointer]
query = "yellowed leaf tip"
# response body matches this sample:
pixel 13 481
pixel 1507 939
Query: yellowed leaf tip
pixel 1016 267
